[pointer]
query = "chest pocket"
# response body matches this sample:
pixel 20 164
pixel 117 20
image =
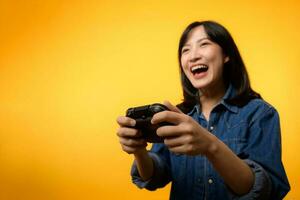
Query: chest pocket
pixel 234 136
pixel 237 145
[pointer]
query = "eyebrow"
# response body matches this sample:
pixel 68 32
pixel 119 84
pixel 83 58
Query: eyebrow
pixel 199 40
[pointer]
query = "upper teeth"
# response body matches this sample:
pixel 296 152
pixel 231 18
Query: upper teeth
pixel 198 67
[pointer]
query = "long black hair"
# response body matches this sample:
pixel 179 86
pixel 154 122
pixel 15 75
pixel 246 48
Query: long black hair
pixel 234 71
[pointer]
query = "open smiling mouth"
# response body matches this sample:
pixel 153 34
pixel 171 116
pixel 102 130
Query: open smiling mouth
pixel 198 69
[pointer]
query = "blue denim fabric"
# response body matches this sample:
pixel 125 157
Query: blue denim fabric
pixel 252 132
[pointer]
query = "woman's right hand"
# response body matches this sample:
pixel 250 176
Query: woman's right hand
pixel 129 137
pixel 132 143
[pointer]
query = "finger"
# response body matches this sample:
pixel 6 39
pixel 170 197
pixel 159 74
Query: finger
pixel 169 131
pixel 181 149
pixel 172 142
pixel 128 132
pixel 172 107
pixel 128 149
pixel 133 142
pixel 126 121
pixel 167 116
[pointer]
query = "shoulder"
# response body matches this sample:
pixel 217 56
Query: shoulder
pixel 257 109
pixel 259 104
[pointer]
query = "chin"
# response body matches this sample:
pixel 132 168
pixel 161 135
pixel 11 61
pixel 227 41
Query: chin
pixel 200 86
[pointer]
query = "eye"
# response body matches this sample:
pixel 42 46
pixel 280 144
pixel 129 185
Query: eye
pixel 204 44
pixel 184 50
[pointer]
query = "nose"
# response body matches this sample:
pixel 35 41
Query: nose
pixel 195 55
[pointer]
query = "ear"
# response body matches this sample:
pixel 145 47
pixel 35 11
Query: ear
pixel 226 59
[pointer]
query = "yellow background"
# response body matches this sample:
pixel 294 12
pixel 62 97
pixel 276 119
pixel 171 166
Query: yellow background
pixel 68 68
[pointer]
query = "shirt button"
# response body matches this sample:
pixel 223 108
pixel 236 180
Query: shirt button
pixel 211 128
pixel 210 181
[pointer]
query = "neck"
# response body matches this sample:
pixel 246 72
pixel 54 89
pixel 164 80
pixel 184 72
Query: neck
pixel 209 98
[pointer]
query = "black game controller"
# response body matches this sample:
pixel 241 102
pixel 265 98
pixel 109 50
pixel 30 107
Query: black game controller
pixel 143 116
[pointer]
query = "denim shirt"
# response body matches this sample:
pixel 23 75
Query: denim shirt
pixel 252 132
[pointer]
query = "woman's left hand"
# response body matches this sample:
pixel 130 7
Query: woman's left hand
pixel 185 136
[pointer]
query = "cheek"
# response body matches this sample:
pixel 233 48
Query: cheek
pixel 183 63
pixel 218 70
pixel 184 69
pixel 217 61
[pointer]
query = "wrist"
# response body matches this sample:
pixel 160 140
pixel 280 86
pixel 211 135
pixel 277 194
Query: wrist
pixel 144 164
pixel 213 147
pixel 140 153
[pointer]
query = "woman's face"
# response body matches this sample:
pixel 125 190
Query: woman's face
pixel 202 60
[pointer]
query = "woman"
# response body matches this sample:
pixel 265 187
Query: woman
pixel 225 142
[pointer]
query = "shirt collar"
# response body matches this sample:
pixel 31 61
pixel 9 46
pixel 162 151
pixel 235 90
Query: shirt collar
pixel 195 109
pixel 230 92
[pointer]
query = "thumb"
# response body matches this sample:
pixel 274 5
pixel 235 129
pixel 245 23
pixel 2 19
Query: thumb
pixel 172 107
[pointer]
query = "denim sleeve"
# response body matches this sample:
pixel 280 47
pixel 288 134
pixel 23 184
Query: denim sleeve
pixel 160 177
pixel 264 156
pixel 262 185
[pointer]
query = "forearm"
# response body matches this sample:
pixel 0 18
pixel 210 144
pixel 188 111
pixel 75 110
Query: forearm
pixel 235 172
pixel 144 164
